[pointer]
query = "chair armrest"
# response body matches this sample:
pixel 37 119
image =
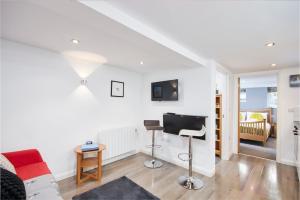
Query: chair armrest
pixel 25 157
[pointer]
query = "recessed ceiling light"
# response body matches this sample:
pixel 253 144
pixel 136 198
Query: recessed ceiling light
pixel 141 62
pixel 83 82
pixel 273 65
pixel 74 41
pixel 270 44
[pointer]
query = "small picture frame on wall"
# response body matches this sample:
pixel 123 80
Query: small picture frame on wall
pixel 295 80
pixel 117 89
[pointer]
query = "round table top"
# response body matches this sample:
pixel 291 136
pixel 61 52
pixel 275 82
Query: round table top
pixel 78 149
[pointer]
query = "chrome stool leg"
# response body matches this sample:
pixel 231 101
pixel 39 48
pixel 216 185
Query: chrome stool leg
pixel 190 182
pixel 153 163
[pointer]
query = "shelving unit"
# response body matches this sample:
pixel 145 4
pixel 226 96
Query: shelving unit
pixel 219 124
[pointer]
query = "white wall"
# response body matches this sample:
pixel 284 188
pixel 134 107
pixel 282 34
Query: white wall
pixel 231 118
pixel 259 81
pixel 44 107
pixel 196 97
pixel 287 98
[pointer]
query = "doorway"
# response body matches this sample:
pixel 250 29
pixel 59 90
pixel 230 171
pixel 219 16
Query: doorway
pixel 257 115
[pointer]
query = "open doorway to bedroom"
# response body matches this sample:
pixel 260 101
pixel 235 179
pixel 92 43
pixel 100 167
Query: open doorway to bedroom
pixel 258 116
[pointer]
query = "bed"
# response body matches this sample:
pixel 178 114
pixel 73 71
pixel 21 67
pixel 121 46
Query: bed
pixel 255 125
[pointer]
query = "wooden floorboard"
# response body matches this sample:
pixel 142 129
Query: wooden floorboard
pixel 242 177
pixel 259 149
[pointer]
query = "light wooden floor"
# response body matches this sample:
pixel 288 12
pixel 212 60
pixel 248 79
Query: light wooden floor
pixel 255 148
pixel 242 177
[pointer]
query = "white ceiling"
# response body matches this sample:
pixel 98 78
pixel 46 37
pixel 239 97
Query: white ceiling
pixel 52 24
pixel 231 32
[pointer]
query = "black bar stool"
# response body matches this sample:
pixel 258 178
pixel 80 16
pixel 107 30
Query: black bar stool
pixel 153 125
pixel 190 182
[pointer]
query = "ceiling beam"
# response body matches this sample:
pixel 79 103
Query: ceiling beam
pixel 117 15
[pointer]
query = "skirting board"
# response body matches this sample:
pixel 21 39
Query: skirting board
pixel 120 157
pixel 200 170
pixel 64 175
pixel 287 162
pixel 71 173
pixel 197 169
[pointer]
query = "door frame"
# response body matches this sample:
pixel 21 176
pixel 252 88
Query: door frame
pixel 236 138
pixel 239 110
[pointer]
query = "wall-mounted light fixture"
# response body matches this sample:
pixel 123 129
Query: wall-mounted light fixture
pixel 270 44
pixel 83 82
pixel 75 41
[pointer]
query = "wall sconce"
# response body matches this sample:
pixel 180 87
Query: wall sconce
pixel 83 82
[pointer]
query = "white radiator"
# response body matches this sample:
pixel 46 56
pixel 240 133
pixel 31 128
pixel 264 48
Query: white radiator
pixel 118 141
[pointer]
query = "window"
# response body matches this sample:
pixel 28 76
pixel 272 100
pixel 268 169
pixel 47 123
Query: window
pixel 272 97
pixel 243 96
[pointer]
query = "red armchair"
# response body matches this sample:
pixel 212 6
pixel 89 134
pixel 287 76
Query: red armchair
pixel 28 163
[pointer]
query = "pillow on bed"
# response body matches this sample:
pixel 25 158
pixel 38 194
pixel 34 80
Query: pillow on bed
pixel 256 116
pixel 243 116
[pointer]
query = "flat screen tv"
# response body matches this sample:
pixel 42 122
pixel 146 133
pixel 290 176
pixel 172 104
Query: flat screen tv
pixel 164 90
pixel 173 123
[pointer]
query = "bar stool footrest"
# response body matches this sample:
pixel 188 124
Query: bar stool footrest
pixel 153 146
pixel 180 156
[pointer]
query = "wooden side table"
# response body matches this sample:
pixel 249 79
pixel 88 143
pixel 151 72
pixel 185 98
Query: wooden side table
pixel 89 162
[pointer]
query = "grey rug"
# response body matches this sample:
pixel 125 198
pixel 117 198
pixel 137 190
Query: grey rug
pixel 119 189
